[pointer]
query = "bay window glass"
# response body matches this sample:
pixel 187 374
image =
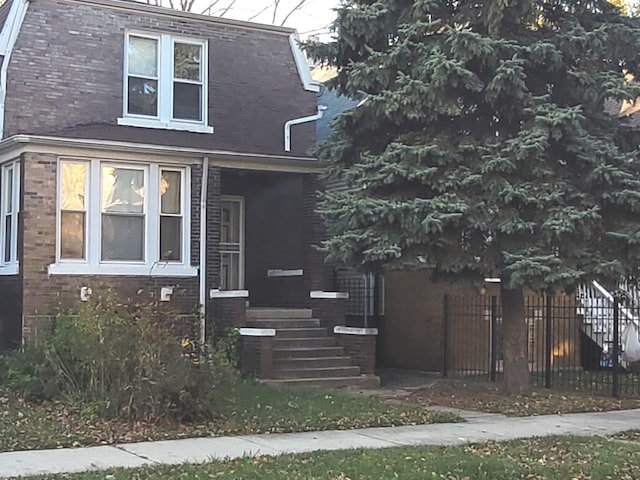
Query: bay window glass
pixel 73 208
pixel 123 215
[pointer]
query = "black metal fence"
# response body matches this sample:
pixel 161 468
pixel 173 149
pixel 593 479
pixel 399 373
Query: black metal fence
pixel 366 296
pixel 573 342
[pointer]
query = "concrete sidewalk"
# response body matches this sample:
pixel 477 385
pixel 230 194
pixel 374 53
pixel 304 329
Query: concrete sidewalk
pixel 478 428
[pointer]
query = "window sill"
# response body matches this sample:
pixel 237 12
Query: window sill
pixel 151 123
pixel 157 270
pixel 10 269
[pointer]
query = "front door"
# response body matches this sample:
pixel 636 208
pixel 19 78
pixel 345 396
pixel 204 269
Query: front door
pixel 232 243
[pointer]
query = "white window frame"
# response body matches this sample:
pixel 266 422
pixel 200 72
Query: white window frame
pixel 10 267
pixel 240 200
pixel 151 265
pixel 165 119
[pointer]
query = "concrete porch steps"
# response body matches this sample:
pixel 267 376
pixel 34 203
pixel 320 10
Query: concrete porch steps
pixel 287 323
pixel 361 381
pixel 324 372
pixel 304 353
pixel 278 313
pixel 311 362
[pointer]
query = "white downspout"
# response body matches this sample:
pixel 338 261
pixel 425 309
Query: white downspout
pixel 203 249
pixel 298 121
pixel 7 41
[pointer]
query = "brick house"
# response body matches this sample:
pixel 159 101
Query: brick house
pixel 163 155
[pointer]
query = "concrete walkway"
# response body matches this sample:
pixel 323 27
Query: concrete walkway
pixel 478 428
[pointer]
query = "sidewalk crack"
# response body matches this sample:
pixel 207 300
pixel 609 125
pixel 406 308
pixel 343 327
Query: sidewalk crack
pixel 123 448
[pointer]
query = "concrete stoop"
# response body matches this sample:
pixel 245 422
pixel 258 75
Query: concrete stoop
pixel 304 354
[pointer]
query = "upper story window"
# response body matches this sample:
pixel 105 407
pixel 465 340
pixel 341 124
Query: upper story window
pixel 165 83
pixel 9 205
pixel 122 219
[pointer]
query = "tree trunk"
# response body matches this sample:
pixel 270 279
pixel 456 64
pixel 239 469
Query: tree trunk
pixel 516 366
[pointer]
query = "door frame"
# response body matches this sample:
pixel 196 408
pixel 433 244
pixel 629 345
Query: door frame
pixel 239 199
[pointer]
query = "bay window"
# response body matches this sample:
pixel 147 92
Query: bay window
pixel 117 218
pixel 9 205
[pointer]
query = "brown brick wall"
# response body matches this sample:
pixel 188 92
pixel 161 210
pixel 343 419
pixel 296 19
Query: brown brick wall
pixel 44 295
pixel 256 356
pixel 226 313
pixel 67 70
pixel 361 349
pixel 410 333
pixel 330 311
pixel 10 311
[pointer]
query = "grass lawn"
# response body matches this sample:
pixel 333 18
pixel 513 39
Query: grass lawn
pixel 252 408
pixel 487 397
pixel 562 458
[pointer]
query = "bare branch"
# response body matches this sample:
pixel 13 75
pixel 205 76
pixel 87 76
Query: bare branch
pixel 253 17
pixel 276 5
pixel 300 4
pixel 212 3
pixel 224 11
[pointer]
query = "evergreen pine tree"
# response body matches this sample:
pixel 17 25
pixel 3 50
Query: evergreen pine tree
pixel 489 144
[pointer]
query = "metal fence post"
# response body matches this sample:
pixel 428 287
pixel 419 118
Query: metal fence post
pixel 494 338
pixel 548 334
pixel 616 347
pixel 445 338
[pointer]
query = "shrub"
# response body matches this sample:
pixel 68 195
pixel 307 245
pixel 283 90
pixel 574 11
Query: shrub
pixel 126 362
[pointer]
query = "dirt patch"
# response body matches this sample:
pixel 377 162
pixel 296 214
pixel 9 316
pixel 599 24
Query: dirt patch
pixel 486 397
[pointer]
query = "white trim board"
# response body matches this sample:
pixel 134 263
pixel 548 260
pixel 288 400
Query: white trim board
pixel 257 332
pixel 285 273
pixel 16 145
pixel 228 293
pixel 329 295
pixel 355 331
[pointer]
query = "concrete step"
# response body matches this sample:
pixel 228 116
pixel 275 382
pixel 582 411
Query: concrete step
pixel 301 332
pixel 326 372
pixel 287 323
pixel 283 353
pixel 278 313
pixel 361 381
pixel 311 342
pixel 312 362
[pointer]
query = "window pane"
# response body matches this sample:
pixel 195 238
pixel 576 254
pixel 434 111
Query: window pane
pixel 122 237
pixel 122 190
pixel 72 235
pixel 143 97
pixel 186 101
pixel 8 233
pixel 230 222
pixel 73 180
pixel 170 189
pixel 171 238
pixel 8 185
pixel 186 62
pixel 230 271
pixel 143 56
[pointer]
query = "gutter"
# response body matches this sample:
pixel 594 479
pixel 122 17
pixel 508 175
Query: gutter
pixel 298 121
pixel 203 250
pixel 7 42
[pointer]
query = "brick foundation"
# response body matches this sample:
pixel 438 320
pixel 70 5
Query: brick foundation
pixel 227 311
pixel 330 311
pixel 256 355
pixel 360 345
